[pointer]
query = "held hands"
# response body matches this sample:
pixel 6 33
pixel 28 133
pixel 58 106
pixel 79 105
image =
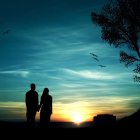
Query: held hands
pixel 38 108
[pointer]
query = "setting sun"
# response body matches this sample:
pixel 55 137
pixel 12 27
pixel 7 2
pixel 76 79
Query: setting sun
pixel 77 118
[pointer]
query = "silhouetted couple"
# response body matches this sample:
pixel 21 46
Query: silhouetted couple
pixel 32 106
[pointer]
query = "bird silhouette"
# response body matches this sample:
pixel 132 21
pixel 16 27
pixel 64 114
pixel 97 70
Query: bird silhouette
pixel 93 54
pixel 7 31
pixel 101 65
pixel 95 58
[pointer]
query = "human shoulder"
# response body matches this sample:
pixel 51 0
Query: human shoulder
pixel 28 92
pixel 36 92
pixel 50 96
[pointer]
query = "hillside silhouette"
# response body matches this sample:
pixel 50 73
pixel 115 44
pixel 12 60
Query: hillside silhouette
pixel 132 121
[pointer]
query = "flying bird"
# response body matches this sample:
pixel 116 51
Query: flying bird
pixel 101 65
pixel 7 31
pixel 93 54
pixel 95 58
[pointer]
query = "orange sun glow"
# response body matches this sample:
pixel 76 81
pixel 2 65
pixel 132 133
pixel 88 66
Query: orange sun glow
pixel 77 118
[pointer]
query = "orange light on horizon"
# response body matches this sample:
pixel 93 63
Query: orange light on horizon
pixel 76 112
pixel 77 118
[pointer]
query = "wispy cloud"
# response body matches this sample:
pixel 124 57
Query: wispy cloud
pixel 12 110
pixel 22 73
pixel 89 74
pixel 10 104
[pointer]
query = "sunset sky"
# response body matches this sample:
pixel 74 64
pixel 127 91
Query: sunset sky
pixel 49 43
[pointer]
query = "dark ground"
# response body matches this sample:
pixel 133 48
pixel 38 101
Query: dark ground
pixel 126 128
pixel 19 130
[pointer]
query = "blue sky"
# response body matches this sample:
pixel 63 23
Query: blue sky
pixel 49 43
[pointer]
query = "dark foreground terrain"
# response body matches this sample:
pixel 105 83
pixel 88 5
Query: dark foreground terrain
pixel 19 130
pixel 126 128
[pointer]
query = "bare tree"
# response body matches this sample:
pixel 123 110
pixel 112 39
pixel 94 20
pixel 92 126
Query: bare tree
pixel 120 26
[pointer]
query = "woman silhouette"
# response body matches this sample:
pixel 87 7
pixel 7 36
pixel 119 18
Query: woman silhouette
pixel 46 108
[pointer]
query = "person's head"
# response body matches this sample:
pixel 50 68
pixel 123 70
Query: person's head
pixel 46 91
pixel 32 86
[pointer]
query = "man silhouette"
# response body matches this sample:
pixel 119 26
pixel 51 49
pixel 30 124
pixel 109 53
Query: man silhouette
pixel 31 100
